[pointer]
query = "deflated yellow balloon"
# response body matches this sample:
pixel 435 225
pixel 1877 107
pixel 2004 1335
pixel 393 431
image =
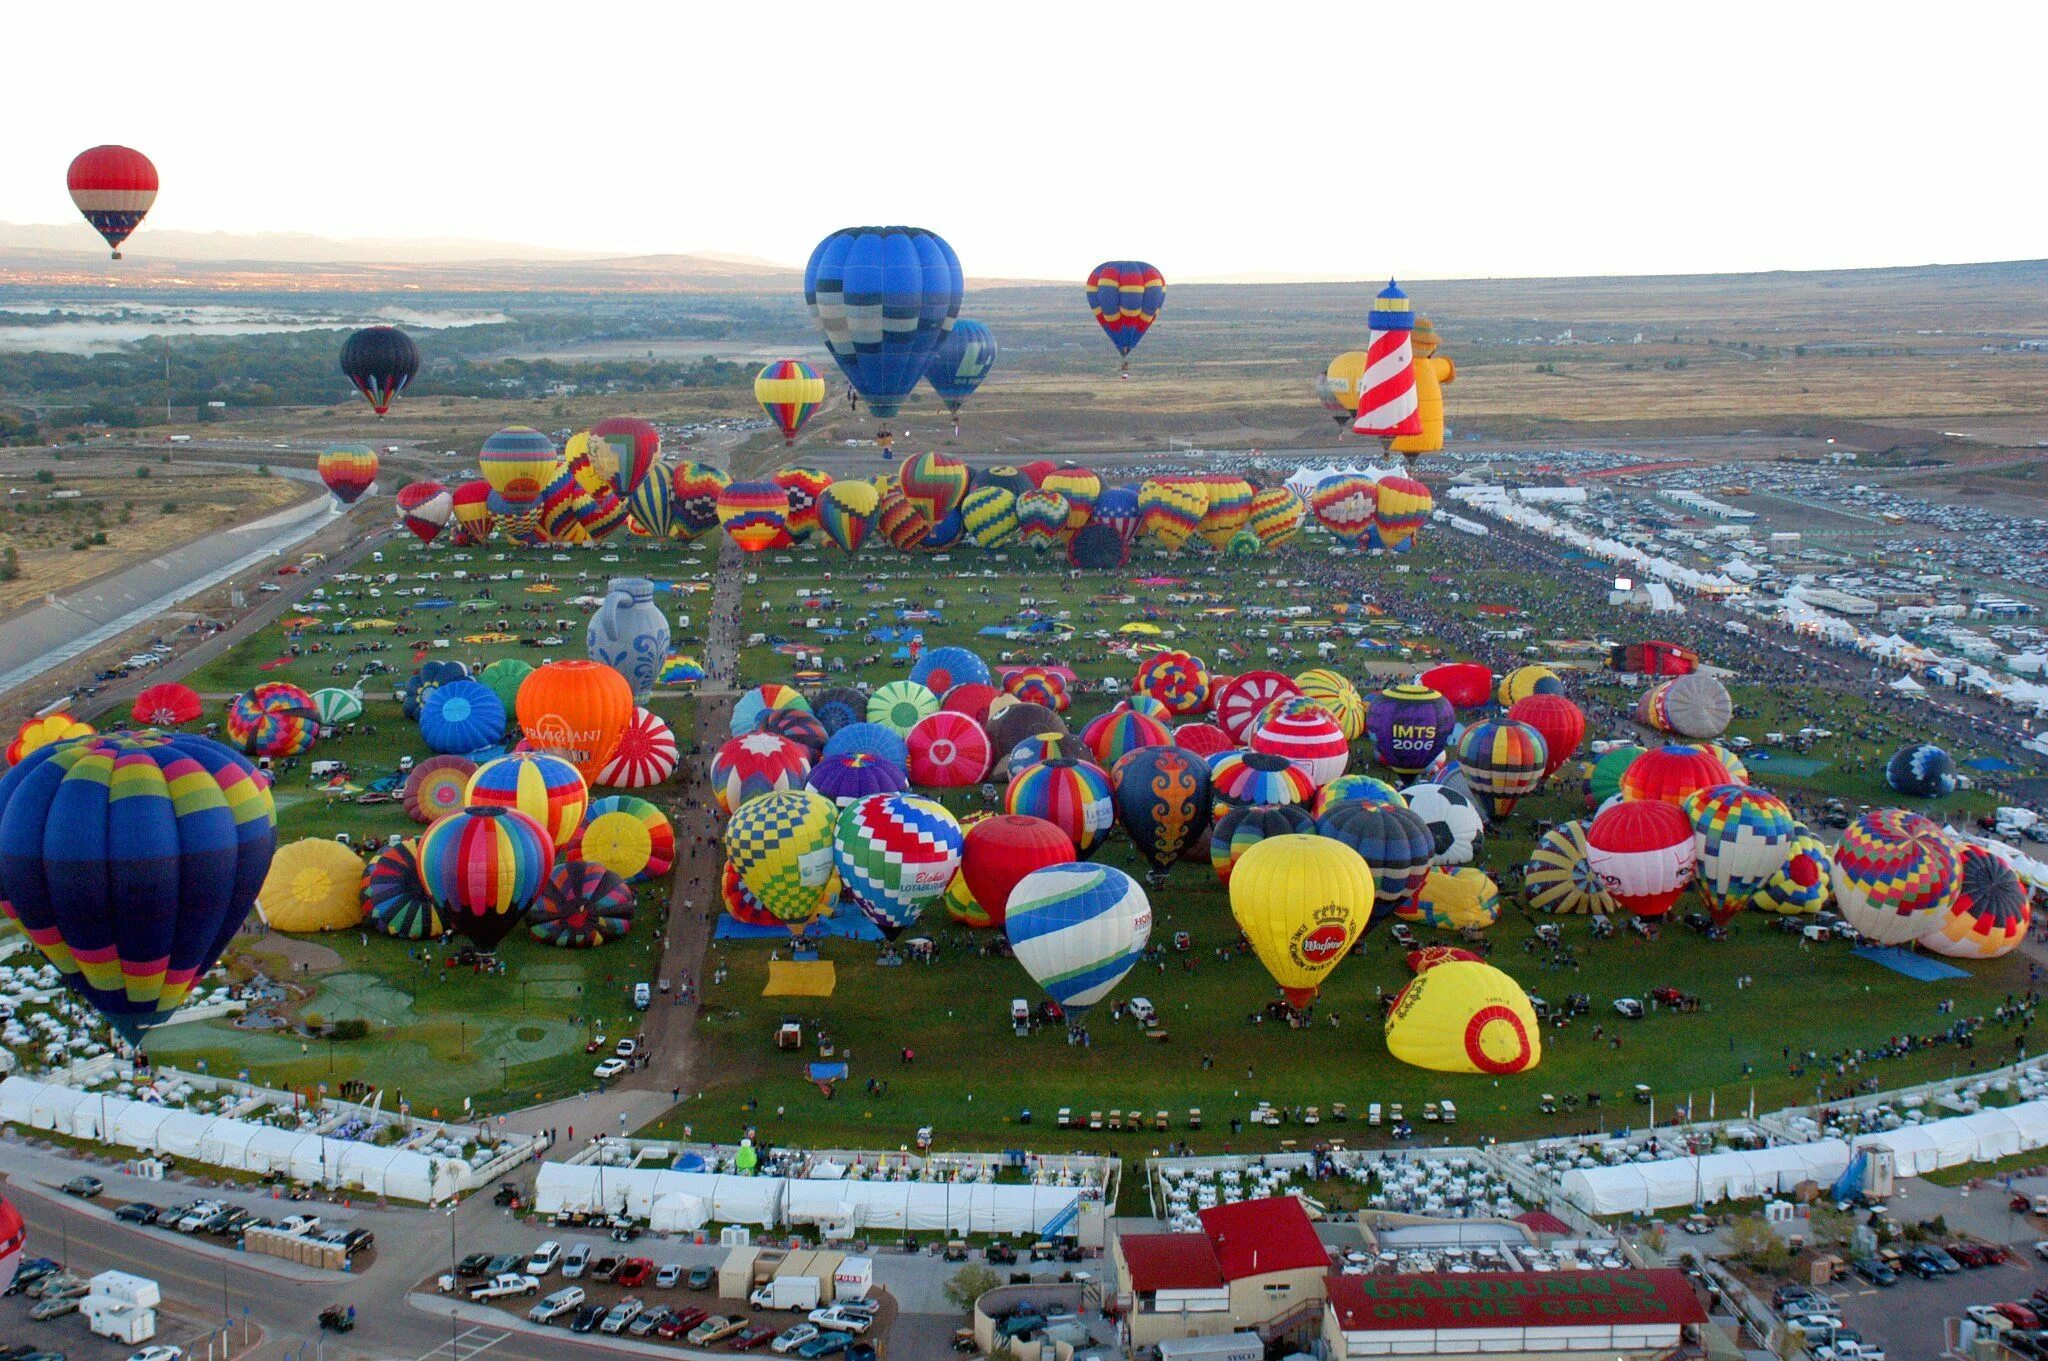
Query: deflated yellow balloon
pixel 313 885
pixel 1464 1017
pixel 1457 901
pixel 1302 902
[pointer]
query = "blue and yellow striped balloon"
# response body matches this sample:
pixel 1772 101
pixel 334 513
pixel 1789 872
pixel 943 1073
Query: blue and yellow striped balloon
pixel 1077 930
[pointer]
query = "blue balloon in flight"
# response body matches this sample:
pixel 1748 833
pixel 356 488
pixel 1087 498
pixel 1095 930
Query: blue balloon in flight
pixel 962 360
pixel 884 297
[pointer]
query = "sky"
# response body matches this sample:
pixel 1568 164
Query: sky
pixel 1282 140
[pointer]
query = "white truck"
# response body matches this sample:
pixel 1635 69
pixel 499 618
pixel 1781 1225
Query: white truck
pixel 786 1292
pixel 511 1283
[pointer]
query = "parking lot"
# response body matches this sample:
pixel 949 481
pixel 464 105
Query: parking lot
pixel 1905 1319
pixel 70 1337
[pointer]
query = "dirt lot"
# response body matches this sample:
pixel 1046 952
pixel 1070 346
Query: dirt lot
pixel 139 516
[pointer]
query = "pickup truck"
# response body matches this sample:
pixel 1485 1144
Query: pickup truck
pixel 511 1283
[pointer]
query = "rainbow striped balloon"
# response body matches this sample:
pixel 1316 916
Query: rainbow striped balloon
pixel 628 836
pixel 1387 404
pixel 789 390
pixel 484 866
pixel 1072 795
pixel 545 788
pixel 1503 761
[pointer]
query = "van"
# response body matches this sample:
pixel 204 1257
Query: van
pixel 544 1259
pixel 643 996
pixel 1450 1112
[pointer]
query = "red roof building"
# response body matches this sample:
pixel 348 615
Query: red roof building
pixel 1608 1313
pixel 1257 1237
pixel 1169 1261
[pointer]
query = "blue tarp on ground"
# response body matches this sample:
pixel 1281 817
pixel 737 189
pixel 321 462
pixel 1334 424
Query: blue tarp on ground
pixel 1919 968
pixel 1991 763
pixel 847 923
pixel 828 1072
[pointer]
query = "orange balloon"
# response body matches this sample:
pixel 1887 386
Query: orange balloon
pixel 576 709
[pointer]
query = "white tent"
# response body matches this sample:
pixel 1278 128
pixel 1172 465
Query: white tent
pixel 678 1212
pixel 1663 1184
pixel 138 1122
pixel 270 1150
pixel 183 1134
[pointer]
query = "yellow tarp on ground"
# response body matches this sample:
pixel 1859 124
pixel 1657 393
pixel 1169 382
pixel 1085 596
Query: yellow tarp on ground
pixel 800 978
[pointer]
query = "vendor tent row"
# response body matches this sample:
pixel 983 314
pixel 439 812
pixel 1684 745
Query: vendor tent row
pixel 241 1145
pixel 683 1201
pixel 1667 1183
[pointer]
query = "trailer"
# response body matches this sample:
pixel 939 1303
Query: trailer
pixel 125 1323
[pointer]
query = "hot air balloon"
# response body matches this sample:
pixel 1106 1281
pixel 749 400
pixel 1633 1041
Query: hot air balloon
pixel 1452 818
pixel 872 738
pixel 425 509
pixel 1179 680
pixel 576 709
pixel 1465 1017
pixel 1117 733
pixel 895 853
pixel 1697 707
pixel 645 754
pixel 1603 775
pixel 1081 487
pixel 314 884
pixel 113 188
pixel 1457 900
pixel 1170 509
pixel 1359 788
pixel 900 704
pixel 756 704
pixel 652 503
pixel 1559 875
pixel 942 668
pixel 802 486
pixel 1019 721
pixel 781 845
pixel 1337 695
pixel 1643 853
pixel 274 719
pixel 884 298
pixel 1467 685
pixel 636 444
pixel 1561 723
pixel 1895 875
pixel 1923 771
pixel 1671 773
pixel 484 865
pixel 1230 507
pixel 846 511
pixel 759 763
pixel 42 732
pixel 1741 837
pixel 581 906
pixel 1991 912
pixel 988 515
pixel 1077 930
pixel 1305 733
pixel 545 788
pixel 1804 883
pixel 460 716
pixel 755 515
pixel 1072 795
pixel 347 470
pixel 1396 845
pixel 437 787
pixel 790 391
pixel 1338 386
pixel 1240 699
pixel 847 777
pixel 165 705
pixel 1503 761
pixel 518 462
pixel 1041 518
pixel 1524 681
pixel 380 361
pixel 1302 902
pixel 1125 296
pixel 628 836
pixel 1161 797
pixel 1239 778
pixel 948 751
pixel 395 898
pixel 1344 504
pixel 471 504
pixel 960 363
pixel 999 851
pixel 131 860
pixel 1276 517
pixel 1410 725
pixel 934 484
pixel 505 676
pixel 1401 507
pixel 697 489
pixel 1237 830
pixel 958 899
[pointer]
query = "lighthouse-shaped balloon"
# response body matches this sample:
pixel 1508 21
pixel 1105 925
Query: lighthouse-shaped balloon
pixel 1387 405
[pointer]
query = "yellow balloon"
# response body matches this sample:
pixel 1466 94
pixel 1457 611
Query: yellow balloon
pixel 1342 377
pixel 313 885
pixel 1301 901
pixel 1464 1017
pixel 593 460
pixel 1457 900
pixel 1525 681
pixel 1432 371
pixel 1338 695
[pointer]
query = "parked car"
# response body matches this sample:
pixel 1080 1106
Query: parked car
pixel 159 1353
pixel 621 1314
pixel 610 1068
pixel 64 1285
pixel 55 1307
pixel 680 1321
pixel 607 1266
pixel 670 1275
pixel 649 1321
pixel 576 1261
pixel 544 1259
pixel 792 1337
pixel 1874 1271
pixel 85 1188
pixel 703 1277
pixel 476 1264
pixel 588 1317
pixel 29 1271
pixel 136 1212
pixel 747 1339
pixel 562 1302
pixel 825 1344
pixel 634 1273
